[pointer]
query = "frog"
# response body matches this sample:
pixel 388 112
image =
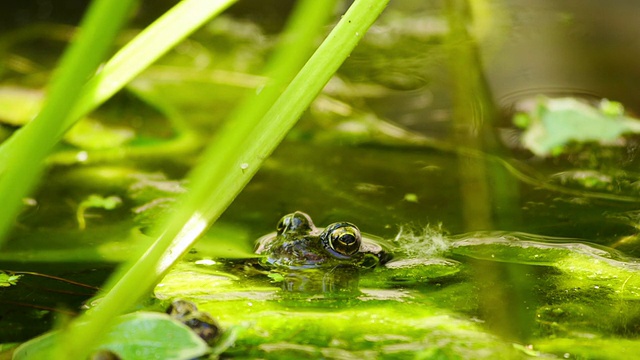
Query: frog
pixel 298 244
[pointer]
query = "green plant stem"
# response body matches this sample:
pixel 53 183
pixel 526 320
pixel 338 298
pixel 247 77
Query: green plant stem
pixel 235 157
pixel 69 100
pixel 152 43
pixel 293 50
pixel 22 164
pixel 222 175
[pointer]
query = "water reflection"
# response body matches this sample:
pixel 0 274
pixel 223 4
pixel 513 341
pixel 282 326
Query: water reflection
pixel 338 281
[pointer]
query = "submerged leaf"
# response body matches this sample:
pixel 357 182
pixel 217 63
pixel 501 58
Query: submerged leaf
pixel 93 135
pixel 19 105
pixel 95 201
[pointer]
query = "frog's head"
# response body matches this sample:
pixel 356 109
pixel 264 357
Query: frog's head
pixel 297 244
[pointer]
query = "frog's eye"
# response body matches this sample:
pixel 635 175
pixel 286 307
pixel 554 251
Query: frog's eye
pixel 343 238
pixel 295 222
pixel 282 224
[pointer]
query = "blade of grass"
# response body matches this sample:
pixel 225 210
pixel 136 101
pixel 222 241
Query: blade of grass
pixel 222 175
pixel 294 48
pixel 231 161
pixel 153 42
pixel 147 47
pixel 21 167
pixel 69 100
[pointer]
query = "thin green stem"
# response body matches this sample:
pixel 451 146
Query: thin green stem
pixel 152 43
pixel 69 100
pixel 22 164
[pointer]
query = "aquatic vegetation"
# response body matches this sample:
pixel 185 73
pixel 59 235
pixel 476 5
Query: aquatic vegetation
pixel 8 279
pixel 553 123
pixel 203 203
pixel 137 335
pixel 407 301
pixel 406 133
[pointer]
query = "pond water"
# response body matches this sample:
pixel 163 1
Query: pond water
pixel 498 253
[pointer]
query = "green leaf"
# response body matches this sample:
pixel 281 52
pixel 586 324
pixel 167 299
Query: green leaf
pixel 141 335
pixel 7 280
pixel 611 108
pixel 146 335
pixel 554 123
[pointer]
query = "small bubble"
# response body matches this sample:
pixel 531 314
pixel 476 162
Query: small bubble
pixel 244 166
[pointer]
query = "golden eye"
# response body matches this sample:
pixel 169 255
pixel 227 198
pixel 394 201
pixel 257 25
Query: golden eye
pixel 343 238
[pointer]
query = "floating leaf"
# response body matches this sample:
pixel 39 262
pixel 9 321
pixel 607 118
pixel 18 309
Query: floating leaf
pixel 554 123
pixel 7 280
